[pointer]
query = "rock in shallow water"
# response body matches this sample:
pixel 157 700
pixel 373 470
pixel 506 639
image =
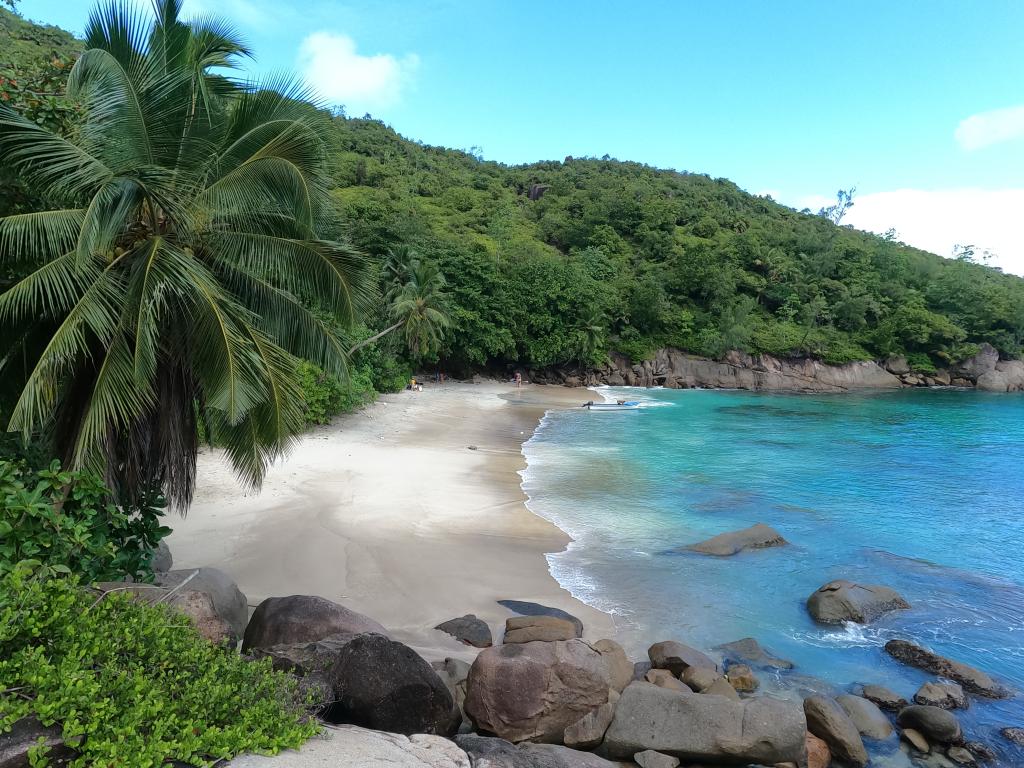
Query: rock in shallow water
pixel 866 716
pixel 884 698
pixel 942 695
pixel 705 728
pixel 748 649
pixel 973 680
pixel 934 723
pixel 840 601
pixel 757 536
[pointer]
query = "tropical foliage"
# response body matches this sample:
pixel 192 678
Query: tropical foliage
pixel 60 522
pixel 176 279
pixel 134 684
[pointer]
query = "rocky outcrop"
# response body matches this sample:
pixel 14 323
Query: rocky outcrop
pixel 722 687
pixel 704 728
pixel 665 679
pixel 1008 376
pixel 758 536
pixel 651 759
pixel 534 691
pixel 677 657
pixel 28 733
pixel 302 619
pixel 228 600
pixel 884 698
pixel 382 684
pixel 973 680
pixel 942 695
pixel 818 753
pixel 984 361
pixel 528 629
pixel 526 608
pixel 827 720
pixel 488 752
pixel 700 678
pixel 349 746
pixel 840 601
pixel 468 630
pixel 454 673
pixel 749 650
pixel 866 716
pixel 935 724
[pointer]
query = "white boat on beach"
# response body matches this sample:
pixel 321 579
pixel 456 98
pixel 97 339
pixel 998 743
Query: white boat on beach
pixel 617 405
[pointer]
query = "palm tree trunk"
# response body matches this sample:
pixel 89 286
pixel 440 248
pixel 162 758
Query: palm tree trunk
pixel 373 338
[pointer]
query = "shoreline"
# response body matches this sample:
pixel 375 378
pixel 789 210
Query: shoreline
pixel 388 512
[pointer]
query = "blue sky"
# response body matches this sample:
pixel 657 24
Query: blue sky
pixel 920 105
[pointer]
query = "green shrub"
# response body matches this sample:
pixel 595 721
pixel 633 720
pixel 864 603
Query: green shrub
pixel 64 522
pixel 919 362
pixel 321 392
pixel 134 685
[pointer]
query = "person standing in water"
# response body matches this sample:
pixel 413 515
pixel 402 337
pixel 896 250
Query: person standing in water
pixel 519 379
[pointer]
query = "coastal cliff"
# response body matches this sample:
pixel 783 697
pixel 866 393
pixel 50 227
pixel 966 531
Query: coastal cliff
pixel 675 369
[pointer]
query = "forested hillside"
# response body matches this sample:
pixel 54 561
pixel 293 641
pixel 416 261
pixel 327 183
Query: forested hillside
pixel 561 262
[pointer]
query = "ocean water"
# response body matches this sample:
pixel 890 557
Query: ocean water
pixel 922 491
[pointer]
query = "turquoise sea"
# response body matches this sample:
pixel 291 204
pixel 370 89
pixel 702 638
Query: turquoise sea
pixel 921 490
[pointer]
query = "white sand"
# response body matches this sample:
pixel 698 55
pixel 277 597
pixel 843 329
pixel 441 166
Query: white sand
pixel 388 512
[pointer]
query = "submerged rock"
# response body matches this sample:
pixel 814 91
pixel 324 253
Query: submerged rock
pixel 884 698
pixel 705 728
pixel 534 691
pixel 469 630
pixel 973 680
pixel 382 684
pixel 302 619
pixel 1013 735
pixel 748 649
pixel 526 608
pixel 827 720
pixel 742 678
pixel 758 536
pixel 840 601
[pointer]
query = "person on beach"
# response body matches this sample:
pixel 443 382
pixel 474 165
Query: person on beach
pixel 519 379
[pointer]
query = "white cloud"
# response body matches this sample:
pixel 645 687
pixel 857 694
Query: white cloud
pixel 992 127
pixel 937 220
pixel 361 83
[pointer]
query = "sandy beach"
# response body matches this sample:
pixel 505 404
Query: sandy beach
pixel 391 513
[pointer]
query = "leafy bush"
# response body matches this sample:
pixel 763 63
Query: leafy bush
pixel 134 684
pixel 919 362
pixel 325 397
pixel 64 522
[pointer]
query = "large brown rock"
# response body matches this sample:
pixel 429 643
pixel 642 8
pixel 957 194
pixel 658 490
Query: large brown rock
pixel 709 729
pixel 758 536
pixel 973 680
pixel 302 619
pixel 840 601
pixel 984 361
pixel 830 723
pixel 527 608
pixel 677 657
pixel 382 684
pixel 528 629
pixel 534 691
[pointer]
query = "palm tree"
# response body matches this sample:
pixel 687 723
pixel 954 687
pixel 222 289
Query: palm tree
pixel 175 282
pixel 418 306
pixel 590 335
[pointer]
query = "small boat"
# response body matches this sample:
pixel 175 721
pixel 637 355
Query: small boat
pixel 617 405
